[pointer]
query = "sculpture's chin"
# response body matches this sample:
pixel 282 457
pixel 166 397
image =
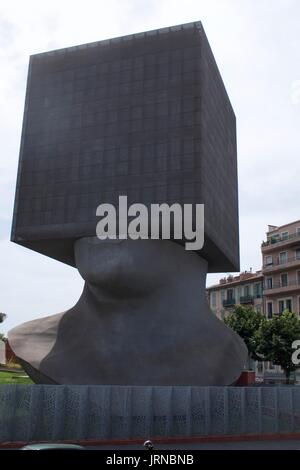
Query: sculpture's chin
pixel 135 267
pixel 119 286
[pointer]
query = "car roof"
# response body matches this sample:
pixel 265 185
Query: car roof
pixel 52 446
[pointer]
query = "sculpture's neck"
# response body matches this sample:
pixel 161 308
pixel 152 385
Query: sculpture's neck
pixel 186 289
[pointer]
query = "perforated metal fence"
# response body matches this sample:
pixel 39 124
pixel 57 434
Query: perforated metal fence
pixel 49 412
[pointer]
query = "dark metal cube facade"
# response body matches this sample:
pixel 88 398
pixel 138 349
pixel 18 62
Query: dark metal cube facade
pixel 146 116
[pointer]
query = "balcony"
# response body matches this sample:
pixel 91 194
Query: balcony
pixel 278 265
pixel 247 299
pixel 279 288
pixel 228 302
pixel 274 243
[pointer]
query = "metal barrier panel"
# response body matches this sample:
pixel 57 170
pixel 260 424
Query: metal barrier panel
pixel 50 412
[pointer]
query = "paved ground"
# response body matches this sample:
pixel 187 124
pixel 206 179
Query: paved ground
pixel 255 445
pixel 271 444
pixel 245 445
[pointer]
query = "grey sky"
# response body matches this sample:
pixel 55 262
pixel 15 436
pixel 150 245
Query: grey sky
pixel 257 46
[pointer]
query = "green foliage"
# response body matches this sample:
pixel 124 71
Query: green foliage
pixel 14 378
pixel 246 321
pixel 275 338
pixel 267 340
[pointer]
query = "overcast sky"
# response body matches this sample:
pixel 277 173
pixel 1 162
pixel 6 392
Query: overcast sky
pixel 257 46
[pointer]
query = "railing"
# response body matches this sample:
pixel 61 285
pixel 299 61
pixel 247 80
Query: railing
pixel 278 314
pixel 247 299
pixel 274 240
pixel 275 314
pixel 278 262
pixel 280 285
pixel 228 302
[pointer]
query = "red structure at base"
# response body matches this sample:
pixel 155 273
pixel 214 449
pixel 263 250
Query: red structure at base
pixel 246 378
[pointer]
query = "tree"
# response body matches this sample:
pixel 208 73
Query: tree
pixel 275 338
pixel 2 317
pixel 246 321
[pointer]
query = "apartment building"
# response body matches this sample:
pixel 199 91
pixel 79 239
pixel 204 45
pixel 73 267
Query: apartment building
pixel 244 289
pixel 270 291
pixel 281 269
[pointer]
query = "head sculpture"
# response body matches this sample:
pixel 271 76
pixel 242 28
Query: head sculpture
pixel 146 116
pixel 142 319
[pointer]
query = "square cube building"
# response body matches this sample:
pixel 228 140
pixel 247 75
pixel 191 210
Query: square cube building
pixel 145 115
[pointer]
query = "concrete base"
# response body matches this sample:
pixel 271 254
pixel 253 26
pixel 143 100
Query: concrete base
pixel 143 319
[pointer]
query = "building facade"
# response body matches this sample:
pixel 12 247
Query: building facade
pixel 270 291
pixel 273 289
pixel 281 269
pixel 244 289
